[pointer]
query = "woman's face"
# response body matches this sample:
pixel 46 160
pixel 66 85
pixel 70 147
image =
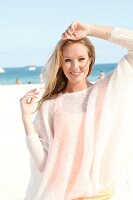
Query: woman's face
pixel 75 62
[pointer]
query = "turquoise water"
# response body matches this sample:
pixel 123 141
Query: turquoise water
pixel 106 68
pixel 33 76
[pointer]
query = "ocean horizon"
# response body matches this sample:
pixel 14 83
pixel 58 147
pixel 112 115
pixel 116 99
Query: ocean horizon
pixel 31 74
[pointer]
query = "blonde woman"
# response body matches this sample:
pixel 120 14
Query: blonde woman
pixel 74 141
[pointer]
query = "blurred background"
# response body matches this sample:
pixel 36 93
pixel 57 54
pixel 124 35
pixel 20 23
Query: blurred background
pixel 30 29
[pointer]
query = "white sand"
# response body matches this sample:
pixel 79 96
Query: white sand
pixel 14 155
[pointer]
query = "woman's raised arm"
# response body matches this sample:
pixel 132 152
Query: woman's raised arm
pixel 79 30
pixel 120 36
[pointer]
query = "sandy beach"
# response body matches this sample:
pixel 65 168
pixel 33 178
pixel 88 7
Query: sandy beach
pixel 14 155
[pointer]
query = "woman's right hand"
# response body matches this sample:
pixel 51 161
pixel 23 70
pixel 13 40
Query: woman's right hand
pixel 27 102
pixel 77 30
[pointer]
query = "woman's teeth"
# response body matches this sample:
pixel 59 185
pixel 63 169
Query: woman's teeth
pixel 75 73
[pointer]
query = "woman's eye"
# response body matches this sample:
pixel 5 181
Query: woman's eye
pixel 81 59
pixel 67 60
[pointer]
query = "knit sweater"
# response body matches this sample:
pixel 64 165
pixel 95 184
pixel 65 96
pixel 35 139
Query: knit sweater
pixel 79 136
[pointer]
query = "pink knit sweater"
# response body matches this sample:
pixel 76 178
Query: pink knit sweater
pixel 75 150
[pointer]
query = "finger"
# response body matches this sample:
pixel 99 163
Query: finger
pixel 62 36
pixel 68 31
pixel 30 99
pixel 65 36
pixel 71 28
pixel 35 89
pixel 74 25
pixel 32 93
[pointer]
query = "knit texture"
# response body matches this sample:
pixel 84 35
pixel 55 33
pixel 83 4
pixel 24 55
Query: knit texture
pixel 75 151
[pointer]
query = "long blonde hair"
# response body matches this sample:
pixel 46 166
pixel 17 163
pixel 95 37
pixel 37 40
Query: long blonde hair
pixel 56 80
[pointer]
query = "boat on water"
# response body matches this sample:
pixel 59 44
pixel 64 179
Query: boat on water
pixel 31 68
pixel 2 70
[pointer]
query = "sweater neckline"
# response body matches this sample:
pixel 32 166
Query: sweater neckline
pixel 78 92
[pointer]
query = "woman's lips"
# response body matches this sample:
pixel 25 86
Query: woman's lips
pixel 75 74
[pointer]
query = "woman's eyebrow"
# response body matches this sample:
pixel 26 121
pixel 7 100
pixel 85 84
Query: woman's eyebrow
pixel 71 57
pixel 67 57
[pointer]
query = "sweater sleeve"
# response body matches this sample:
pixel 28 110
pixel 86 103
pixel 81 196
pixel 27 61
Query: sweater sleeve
pixel 37 142
pixel 124 38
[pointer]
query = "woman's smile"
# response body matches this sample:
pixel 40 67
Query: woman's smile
pixel 75 65
pixel 75 74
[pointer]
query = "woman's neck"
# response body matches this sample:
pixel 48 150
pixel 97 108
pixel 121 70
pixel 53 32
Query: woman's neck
pixel 76 87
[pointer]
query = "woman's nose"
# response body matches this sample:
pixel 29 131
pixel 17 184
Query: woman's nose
pixel 75 64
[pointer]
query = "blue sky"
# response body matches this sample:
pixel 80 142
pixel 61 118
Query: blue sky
pixel 30 29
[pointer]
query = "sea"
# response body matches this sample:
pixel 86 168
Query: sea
pixel 29 74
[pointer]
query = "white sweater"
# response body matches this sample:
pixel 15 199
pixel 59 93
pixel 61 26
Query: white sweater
pixel 79 136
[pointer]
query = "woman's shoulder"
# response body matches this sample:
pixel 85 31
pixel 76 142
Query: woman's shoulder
pixel 47 103
pixel 101 85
